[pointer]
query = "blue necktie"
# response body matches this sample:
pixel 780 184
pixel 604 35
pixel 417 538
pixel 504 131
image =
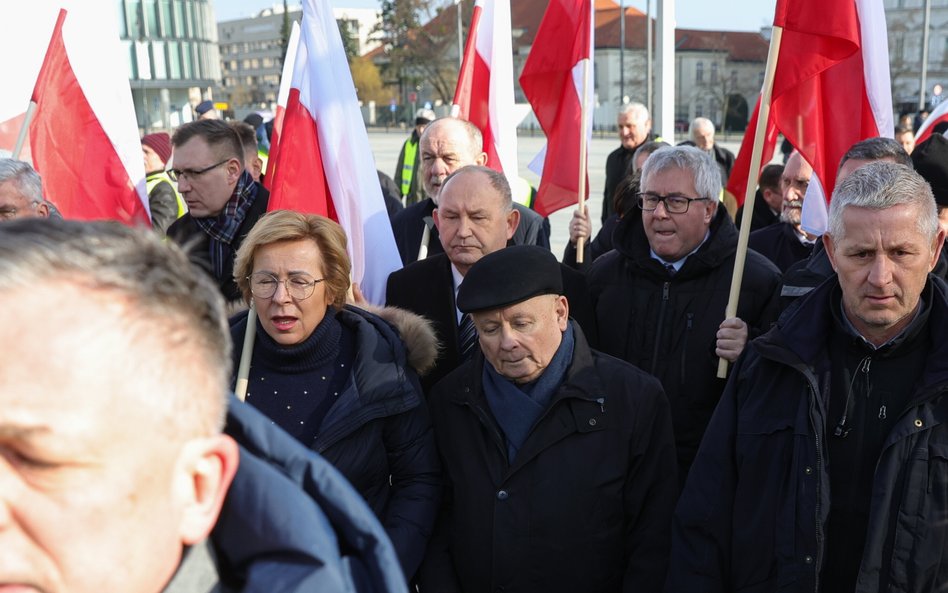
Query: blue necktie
pixel 467 337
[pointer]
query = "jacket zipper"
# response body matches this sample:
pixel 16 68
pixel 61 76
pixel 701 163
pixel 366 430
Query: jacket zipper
pixel 684 348
pixel 661 323
pixel 819 487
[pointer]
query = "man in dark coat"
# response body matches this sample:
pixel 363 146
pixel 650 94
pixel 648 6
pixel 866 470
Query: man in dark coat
pixel 635 129
pixel 559 462
pixel 447 145
pixel 769 201
pixel 476 217
pixel 701 132
pixel 224 202
pixel 660 296
pixel 824 467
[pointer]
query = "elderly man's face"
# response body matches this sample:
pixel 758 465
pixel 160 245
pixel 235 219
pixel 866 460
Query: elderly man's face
pixel 519 341
pixel 673 236
pixel 445 148
pixel 882 261
pixel 793 184
pixel 472 220
pixel 634 128
pixel 703 137
pixel 907 140
pixel 95 489
pixel 13 204
pixel 208 176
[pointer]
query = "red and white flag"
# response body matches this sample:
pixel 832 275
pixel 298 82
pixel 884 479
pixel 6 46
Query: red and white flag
pixel 484 95
pixel 84 134
pixel 286 80
pixel 740 173
pixel 937 116
pixel 831 87
pixel 552 80
pixel 325 164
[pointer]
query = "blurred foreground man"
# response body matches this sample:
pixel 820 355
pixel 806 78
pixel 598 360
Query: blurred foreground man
pixel 559 461
pixel 824 467
pixel 113 466
pixel 21 191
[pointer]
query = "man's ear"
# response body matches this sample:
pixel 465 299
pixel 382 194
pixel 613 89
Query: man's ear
pixel 204 471
pixel 481 159
pixel 830 249
pixel 937 246
pixel 235 167
pixel 437 221
pixel 513 221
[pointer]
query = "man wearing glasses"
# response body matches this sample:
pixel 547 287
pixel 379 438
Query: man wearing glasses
pixel 660 296
pixel 21 191
pixel 224 202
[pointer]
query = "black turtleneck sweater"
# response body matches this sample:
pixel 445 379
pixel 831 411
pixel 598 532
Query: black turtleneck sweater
pixel 295 386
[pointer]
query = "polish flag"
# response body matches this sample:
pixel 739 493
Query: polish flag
pixel 484 95
pixel 286 79
pixel 831 87
pixel 937 116
pixel 325 164
pixel 84 134
pixel 552 80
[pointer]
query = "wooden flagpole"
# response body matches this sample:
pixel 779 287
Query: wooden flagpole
pixel 581 241
pixel 243 370
pixel 763 117
pixel 24 129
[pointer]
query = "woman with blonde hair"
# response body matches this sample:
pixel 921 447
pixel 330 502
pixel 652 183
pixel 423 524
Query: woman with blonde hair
pixel 337 377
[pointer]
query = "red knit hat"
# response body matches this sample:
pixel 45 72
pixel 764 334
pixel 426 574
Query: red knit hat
pixel 160 142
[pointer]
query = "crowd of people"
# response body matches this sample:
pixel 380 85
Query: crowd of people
pixel 508 420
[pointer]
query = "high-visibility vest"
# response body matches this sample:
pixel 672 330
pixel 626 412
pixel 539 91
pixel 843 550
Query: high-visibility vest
pixel 408 165
pixel 154 179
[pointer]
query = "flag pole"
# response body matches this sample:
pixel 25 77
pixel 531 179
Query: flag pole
pixel 243 370
pixel 584 105
pixel 763 115
pixel 21 137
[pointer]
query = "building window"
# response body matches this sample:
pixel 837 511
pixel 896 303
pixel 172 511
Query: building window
pixel 699 72
pixel 158 59
pixel 164 18
pixel 699 109
pixel 174 60
pixel 150 18
pixel 714 72
pixel 898 48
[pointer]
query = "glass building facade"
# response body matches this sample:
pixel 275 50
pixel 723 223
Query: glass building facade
pixel 174 61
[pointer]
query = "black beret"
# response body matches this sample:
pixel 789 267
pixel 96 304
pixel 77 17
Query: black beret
pixel 510 276
pixel 203 107
pixel 931 162
pixel 254 119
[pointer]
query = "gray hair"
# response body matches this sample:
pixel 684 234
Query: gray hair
pixel 700 122
pixel 497 181
pixel 877 149
pixel 639 110
pixel 474 136
pixel 24 177
pixel 881 185
pixel 706 172
pixel 647 149
pixel 174 314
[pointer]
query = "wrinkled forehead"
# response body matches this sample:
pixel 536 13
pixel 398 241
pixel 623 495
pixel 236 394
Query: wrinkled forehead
pixel 10 196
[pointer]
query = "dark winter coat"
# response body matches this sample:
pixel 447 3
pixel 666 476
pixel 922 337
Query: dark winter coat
pixel 754 510
pixel 186 232
pixel 378 433
pixel 290 524
pixel 780 244
pixel 585 505
pixel 667 325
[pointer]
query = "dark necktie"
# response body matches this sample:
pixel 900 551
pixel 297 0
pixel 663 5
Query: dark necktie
pixel 467 337
pixel 671 269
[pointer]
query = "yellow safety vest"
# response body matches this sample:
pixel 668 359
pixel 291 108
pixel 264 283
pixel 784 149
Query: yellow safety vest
pixel 408 166
pixel 155 178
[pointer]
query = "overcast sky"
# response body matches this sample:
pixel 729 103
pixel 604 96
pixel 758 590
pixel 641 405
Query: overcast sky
pixel 728 15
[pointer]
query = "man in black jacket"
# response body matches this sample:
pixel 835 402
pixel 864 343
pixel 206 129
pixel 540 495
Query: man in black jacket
pixel 224 202
pixel 824 467
pixel 476 216
pixel 559 462
pixel 660 296
pixel 635 129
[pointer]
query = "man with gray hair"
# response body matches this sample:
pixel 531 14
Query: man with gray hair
pixel 21 191
pixel 635 129
pixel 113 465
pixel 824 467
pixel 701 132
pixel 660 296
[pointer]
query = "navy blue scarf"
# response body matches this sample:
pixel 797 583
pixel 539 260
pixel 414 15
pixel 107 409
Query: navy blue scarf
pixel 518 407
pixel 222 229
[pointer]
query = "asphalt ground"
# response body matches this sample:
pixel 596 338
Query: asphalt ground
pixel 387 144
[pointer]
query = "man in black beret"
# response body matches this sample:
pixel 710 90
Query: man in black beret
pixel 560 471
pixel 930 159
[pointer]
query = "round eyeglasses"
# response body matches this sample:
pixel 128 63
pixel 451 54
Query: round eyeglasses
pixel 263 285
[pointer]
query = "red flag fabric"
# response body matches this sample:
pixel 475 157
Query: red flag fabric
pixel 937 116
pixel 324 164
pixel 552 81
pixel 283 98
pixel 484 95
pixel 740 173
pixel 83 172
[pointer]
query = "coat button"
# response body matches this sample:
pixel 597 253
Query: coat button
pixel 808 470
pixel 592 421
pixel 808 559
pixel 918 423
pixel 502 495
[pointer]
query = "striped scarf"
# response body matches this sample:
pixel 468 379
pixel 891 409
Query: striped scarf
pixel 222 229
